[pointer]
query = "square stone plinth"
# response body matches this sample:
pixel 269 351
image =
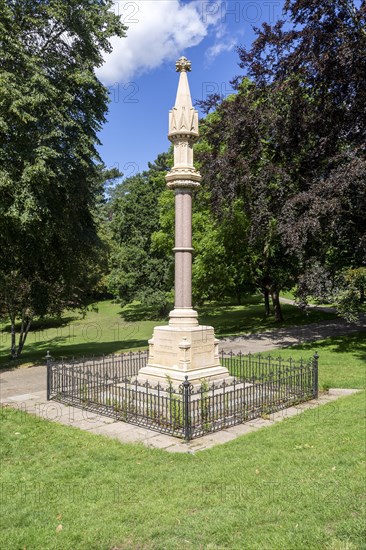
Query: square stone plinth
pixel 177 352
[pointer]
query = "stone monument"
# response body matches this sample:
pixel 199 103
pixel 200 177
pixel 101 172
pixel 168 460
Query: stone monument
pixel 183 348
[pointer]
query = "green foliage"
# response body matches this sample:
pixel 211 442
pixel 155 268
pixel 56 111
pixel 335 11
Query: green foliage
pixel 350 295
pixel 102 217
pixel 140 268
pixel 162 240
pixel 204 404
pixel 291 145
pixel 245 179
pixel 345 290
pixel 51 108
pixel 221 268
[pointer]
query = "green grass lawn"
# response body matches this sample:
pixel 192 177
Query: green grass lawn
pixel 111 329
pixel 342 359
pixel 297 485
pixel 104 330
pixel 249 318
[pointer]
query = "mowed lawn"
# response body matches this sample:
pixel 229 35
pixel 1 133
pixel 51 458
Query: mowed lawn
pixel 111 329
pixel 342 359
pixel 102 330
pixel 297 485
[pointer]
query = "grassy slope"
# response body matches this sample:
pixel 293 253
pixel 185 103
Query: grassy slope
pixel 296 485
pixel 110 329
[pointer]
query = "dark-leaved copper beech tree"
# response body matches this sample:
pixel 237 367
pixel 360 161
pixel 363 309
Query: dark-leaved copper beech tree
pixel 292 145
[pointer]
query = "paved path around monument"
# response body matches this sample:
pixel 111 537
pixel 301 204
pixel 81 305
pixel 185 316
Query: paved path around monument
pixel 25 389
pixel 37 404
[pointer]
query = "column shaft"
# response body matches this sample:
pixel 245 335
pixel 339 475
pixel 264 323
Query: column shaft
pixel 183 249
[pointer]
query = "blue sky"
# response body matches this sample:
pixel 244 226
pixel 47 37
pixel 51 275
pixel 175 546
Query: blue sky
pixel 140 72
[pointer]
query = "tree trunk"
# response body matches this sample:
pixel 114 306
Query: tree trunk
pixel 277 306
pixel 26 324
pixel 13 337
pixel 163 310
pixel 267 307
pixel 362 294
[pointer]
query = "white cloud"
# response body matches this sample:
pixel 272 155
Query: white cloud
pixel 224 46
pixel 159 31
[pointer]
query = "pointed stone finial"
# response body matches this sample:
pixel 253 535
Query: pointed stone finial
pixel 183 118
pixel 183 65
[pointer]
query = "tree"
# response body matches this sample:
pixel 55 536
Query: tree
pixel 103 215
pixel 51 108
pixel 140 269
pixel 243 165
pixel 291 144
pixel 319 65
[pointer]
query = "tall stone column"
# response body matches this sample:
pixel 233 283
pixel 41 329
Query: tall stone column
pixel 183 179
pixel 183 347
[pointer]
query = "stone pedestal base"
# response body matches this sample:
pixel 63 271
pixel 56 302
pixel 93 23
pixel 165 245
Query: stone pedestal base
pixel 177 352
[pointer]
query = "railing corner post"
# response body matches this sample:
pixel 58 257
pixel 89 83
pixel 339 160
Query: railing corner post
pixel 187 408
pixel 315 375
pixel 48 359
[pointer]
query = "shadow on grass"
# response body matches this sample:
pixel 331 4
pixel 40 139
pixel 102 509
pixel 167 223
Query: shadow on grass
pixel 99 348
pixel 352 343
pixel 236 320
pixel 141 312
pixel 87 349
pixel 228 319
pixel 215 308
pixel 43 324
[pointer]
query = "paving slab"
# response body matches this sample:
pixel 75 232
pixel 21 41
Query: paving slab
pixel 162 441
pixel 85 424
pixel 23 397
pixel 340 391
pixel 129 433
pixel 260 422
pixel 22 380
pixel 241 429
pixel 285 413
pixel 180 447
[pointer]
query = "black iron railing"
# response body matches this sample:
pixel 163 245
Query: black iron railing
pixel 110 385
